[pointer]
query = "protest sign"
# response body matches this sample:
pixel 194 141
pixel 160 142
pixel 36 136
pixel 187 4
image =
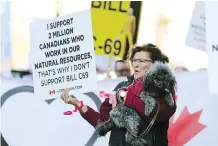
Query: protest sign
pixel 115 26
pixel 212 45
pixel 197 29
pixel 62 54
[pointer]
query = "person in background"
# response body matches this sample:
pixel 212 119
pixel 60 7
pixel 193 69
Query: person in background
pixel 142 58
pixel 181 69
pixel 122 68
pixel 202 69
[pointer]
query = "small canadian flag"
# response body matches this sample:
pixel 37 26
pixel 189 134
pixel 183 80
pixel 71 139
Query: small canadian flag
pixel 52 92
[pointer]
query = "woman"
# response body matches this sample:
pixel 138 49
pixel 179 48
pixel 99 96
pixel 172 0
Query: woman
pixel 142 58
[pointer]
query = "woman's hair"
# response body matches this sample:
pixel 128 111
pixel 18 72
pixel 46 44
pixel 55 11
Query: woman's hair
pixel 154 51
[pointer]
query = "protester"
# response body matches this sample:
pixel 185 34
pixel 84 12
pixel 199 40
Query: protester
pixel 122 68
pixel 142 58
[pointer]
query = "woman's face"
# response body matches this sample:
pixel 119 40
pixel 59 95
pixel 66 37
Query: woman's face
pixel 141 63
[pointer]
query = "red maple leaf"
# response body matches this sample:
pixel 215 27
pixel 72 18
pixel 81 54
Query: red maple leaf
pixel 184 128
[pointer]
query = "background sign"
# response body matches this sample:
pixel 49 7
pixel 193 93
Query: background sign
pixel 197 30
pixel 62 54
pixel 212 45
pixel 115 26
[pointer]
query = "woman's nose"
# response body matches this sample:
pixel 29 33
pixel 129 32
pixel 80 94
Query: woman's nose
pixel 136 66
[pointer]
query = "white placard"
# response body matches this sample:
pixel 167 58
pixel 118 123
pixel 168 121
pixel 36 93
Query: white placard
pixel 197 29
pixel 62 54
pixel 212 45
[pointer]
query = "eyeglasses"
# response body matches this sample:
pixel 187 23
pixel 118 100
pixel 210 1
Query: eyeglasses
pixel 141 60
